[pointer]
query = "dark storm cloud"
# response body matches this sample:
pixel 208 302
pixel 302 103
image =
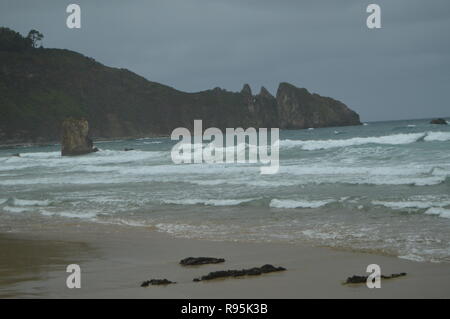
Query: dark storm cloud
pixel 400 71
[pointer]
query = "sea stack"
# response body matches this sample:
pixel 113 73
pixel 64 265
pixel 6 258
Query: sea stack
pixel 75 139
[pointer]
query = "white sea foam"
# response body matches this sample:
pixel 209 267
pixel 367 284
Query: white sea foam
pixel 209 202
pixel 126 222
pixel 403 205
pixel 11 209
pixel 28 202
pixel 94 169
pixel 418 175
pixel 241 147
pixel 248 181
pixel 396 139
pixel 38 155
pixel 432 208
pixel 177 229
pixel 70 214
pixel 439 211
pixel 61 181
pixel 143 138
pixel 185 169
pixel 320 174
pixel 412 257
pixel 326 144
pixel 314 234
pixel 322 169
pixel 413 204
pixel 53 159
pixel 241 175
pixel 425 181
pixel 437 136
pixel 288 203
pixel 80 215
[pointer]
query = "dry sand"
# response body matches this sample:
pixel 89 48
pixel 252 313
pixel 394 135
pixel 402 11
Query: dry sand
pixel 115 259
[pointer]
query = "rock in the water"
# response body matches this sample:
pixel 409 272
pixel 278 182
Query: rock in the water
pixel 128 149
pixel 16 155
pixel 439 121
pixel 193 261
pixel 355 279
pixel 75 139
pixel 157 282
pixel 243 272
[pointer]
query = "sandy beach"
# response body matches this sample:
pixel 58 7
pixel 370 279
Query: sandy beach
pixel 115 260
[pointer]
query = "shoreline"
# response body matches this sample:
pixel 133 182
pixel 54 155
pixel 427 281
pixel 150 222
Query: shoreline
pixel 115 260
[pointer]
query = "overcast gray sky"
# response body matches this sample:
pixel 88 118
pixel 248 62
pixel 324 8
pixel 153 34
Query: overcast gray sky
pixel 401 71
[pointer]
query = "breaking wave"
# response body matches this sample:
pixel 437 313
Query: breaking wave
pixel 287 203
pixel 439 211
pixel 209 202
pixel 395 139
pixel 27 202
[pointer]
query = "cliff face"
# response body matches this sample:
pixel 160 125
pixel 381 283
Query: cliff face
pixel 39 88
pixel 297 108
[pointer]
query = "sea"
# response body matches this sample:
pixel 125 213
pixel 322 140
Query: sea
pixel 382 187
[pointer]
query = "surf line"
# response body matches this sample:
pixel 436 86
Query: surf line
pixel 192 150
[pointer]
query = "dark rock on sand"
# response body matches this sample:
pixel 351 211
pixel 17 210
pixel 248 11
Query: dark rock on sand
pixel 439 121
pixel 194 261
pixel 256 271
pixel 75 139
pixel 355 279
pixel 157 282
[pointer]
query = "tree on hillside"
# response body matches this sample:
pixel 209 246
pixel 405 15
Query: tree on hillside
pixel 35 37
pixel 11 40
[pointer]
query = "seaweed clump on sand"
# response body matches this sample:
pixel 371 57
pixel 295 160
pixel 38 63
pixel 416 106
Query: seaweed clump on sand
pixel 157 282
pixel 256 271
pixel 194 261
pixel 355 279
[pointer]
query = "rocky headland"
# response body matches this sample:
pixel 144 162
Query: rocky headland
pixel 39 88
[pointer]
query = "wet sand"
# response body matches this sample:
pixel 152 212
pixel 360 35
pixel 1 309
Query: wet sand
pixel 115 260
pixel 27 261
